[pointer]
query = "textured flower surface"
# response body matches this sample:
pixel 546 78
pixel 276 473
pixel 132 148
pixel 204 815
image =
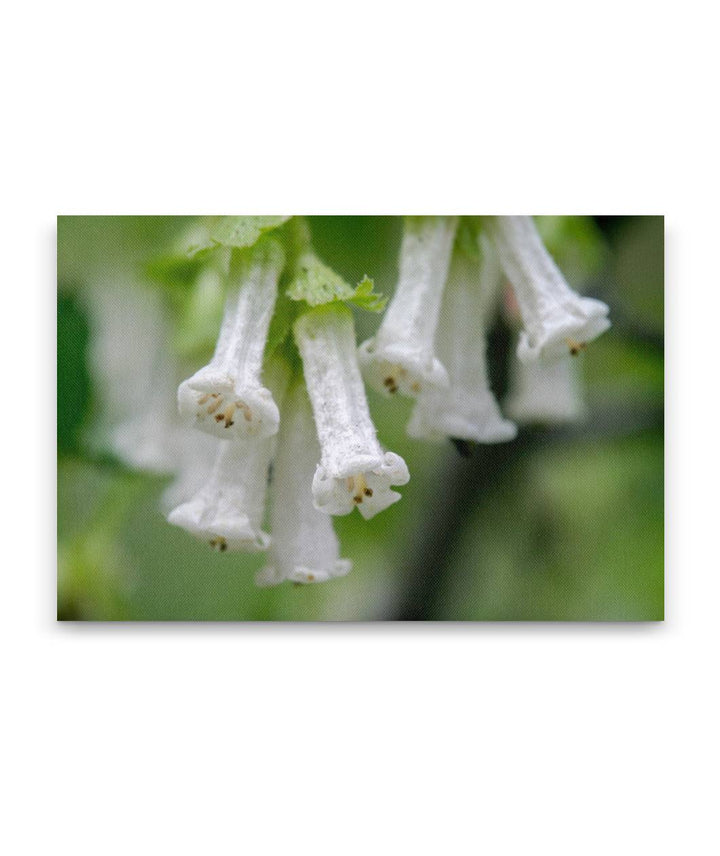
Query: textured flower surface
pixel 353 470
pixel 227 397
pixel 228 509
pixel 556 319
pixel 467 408
pixel 304 547
pixel 545 392
pixel 401 356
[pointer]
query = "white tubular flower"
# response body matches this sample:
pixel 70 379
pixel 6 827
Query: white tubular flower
pixel 229 508
pixel 556 319
pixel 401 356
pixel 227 397
pixel 353 470
pixel 304 546
pixel 467 409
pixel 129 358
pixel 548 393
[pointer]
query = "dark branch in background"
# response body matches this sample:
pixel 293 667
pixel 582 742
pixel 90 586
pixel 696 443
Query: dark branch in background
pixel 472 477
pixel 470 484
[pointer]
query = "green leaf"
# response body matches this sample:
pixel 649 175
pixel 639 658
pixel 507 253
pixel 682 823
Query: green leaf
pixel 208 233
pixel 317 284
pixel 364 296
pixel 242 232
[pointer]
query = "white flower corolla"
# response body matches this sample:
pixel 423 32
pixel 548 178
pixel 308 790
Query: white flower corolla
pixel 196 453
pixel 467 409
pixel 401 355
pixel 134 372
pixel 227 397
pixel 545 392
pixel 556 320
pixel 228 509
pixel 353 470
pixel 304 546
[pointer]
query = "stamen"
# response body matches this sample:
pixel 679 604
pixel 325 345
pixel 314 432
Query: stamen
pixel 219 544
pixel 228 414
pixel 203 399
pixel 362 489
pixel 575 346
pixel 247 413
pixel 368 491
pixel 217 400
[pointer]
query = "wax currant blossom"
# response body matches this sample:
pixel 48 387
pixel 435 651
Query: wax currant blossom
pixel 546 393
pixel 556 319
pixel 353 470
pixel 467 408
pixel 227 397
pixel 134 373
pixel 304 547
pixel 401 356
pixel 228 510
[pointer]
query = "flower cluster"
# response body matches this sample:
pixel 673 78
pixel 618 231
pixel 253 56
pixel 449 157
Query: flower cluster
pixel 280 413
pixel 287 414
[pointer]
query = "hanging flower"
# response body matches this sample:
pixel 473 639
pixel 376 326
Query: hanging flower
pixel 401 356
pixel 549 393
pixel 353 470
pixel 228 510
pixel 556 319
pixel 227 397
pixel 304 546
pixel 467 409
pixel 135 375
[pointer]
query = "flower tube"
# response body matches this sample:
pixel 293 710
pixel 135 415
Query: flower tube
pixel 227 397
pixel 467 409
pixel 401 356
pixel 304 546
pixel 556 319
pixel 547 393
pixel 228 509
pixel 353 470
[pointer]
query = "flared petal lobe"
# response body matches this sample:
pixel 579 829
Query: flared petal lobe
pixel 304 546
pixel 227 397
pixel 353 470
pixel 467 408
pixel 556 320
pixel 401 356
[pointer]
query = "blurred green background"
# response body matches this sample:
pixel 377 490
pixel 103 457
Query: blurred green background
pixel 561 524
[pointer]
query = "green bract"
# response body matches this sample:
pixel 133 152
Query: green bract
pixel 318 284
pixel 236 232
